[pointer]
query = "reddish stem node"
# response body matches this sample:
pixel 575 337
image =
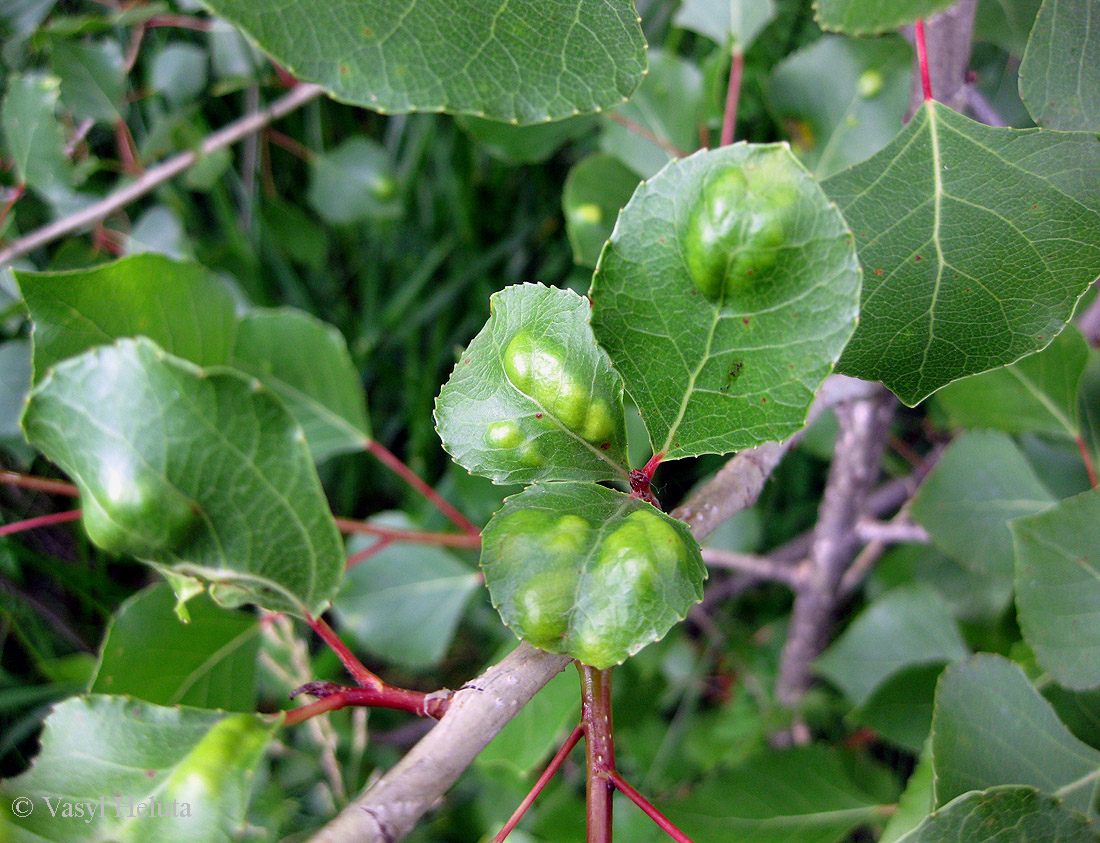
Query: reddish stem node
pixel 334 697
pixel 547 774
pixel 40 521
pixel 733 97
pixel 355 667
pixel 650 810
pixel 399 468
pixel 1090 465
pixel 922 59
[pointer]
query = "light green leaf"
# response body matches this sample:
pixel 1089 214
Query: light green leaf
pixel 1038 393
pixel 209 662
pixel 992 728
pixel 15 382
pixel 525 144
pixel 597 586
pixel 595 191
pixel 1006 23
pixel 354 182
pixel 667 105
pixel 92 80
pixel 534 397
pixel 959 224
pixel 724 297
pixel 907 627
pixel 802 795
pixel 306 363
pixel 1060 73
pixel 197 471
pixel 1058 588
pixel 191 769
pixel 870 17
pixel 726 21
pixel 915 802
pixel 521 61
pixel 178 71
pixel 180 306
pixel 1019 814
pixel 861 109
pixel 978 486
pixel 403 604
pixel 159 230
pixel 32 134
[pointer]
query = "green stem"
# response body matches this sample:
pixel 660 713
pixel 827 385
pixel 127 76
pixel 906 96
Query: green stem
pixel 599 750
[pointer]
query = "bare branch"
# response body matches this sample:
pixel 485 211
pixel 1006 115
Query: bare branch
pixel 1089 320
pixel 891 532
pixel 760 567
pixel 155 176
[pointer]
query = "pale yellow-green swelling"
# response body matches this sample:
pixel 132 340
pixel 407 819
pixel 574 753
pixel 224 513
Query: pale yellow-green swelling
pixel 542 607
pixel 504 434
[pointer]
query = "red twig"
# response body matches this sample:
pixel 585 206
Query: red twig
pixel 733 96
pixel 127 152
pixel 922 59
pixel 650 810
pixel 40 484
pixel 409 476
pixel 294 147
pixel 333 697
pixel 348 525
pixel 599 751
pixel 367 552
pixel 547 774
pixel 1086 455
pixel 13 197
pixel 181 22
pixel 641 131
pixel 355 667
pixel 40 521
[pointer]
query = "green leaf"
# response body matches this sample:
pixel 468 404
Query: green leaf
pixel 870 17
pixel 735 22
pixel 992 728
pixel 900 708
pixel 191 769
pixel 403 604
pixel 915 802
pixel 1006 23
pixel 597 586
pixel 354 182
pixel 1058 588
pixel 32 135
pixel 857 113
pixel 979 485
pixel 197 471
pixel 92 80
pixel 534 397
pixel 1059 76
pixel 1038 393
pixel 525 144
pixel 1019 814
pixel 208 662
pixel 520 61
pixel 802 795
pixel 181 306
pixel 306 363
pixel 724 297
pixel 178 72
pixel 15 383
pixel 959 224
pixel 908 626
pixel 595 191
pixel 667 105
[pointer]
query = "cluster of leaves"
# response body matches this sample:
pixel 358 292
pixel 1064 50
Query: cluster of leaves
pixel 192 422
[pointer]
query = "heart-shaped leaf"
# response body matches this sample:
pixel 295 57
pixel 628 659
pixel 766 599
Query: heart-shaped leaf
pixel 962 225
pixel 724 297
pixel 735 22
pixel 515 61
pixel 201 472
pixel 584 570
pixel 534 397
pixel 1060 72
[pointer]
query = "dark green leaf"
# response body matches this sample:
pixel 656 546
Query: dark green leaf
pixel 991 727
pixel 595 191
pixel 909 626
pixel 180 306
pixel 959 224
pixel 802 795
pixel 402 604
pixel 1060 73
pixel 191 769
pixel 534 397
pixel 199 472
pixel 15 383
pixel 354 182
pixel 598 586
pixel 92 81
pixel 1058 588
pixel 900 708
pixel 32 135
pixel 736 22
pixel 1006 23
pixel 306 363
pixel 525 144
pixel 667 106
pixel 1000 814
pixel 869 17
pixel 208 662
pixel 1039 393
pixel 861 109
pixel 724 297
pixel 517 61
pixel 915 802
